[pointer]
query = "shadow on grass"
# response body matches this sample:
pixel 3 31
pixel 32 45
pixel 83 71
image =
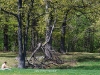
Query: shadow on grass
pixel 80 67
pixel 8 56
pixel 87 58
pixel 97 67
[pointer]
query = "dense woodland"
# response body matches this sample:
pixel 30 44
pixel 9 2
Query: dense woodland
pixel 59 25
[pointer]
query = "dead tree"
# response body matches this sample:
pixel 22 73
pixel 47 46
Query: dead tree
pixel 49 53
pixel 45 60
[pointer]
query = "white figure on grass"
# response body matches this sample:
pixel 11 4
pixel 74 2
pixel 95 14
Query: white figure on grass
pixel 4 66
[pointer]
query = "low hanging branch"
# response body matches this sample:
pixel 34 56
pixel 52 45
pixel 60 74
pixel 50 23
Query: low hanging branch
pixel 11 13
pixel 38 47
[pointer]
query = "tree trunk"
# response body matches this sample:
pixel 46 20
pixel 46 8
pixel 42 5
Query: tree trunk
pixel 48 38
pixel 5 37
pixel 34 34
pixel 21 63
pixel 26 34
pixel 89 40
pixel 48 46
pixel 63 32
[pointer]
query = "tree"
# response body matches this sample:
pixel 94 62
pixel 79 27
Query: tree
pixel 5 32
pixel 63 33
pixel 21 51
pixel 48 30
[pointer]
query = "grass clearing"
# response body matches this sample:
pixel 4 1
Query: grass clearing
pixel 76 64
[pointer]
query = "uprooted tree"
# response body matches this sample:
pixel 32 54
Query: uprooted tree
pixel 46 47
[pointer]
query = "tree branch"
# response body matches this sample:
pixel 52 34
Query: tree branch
pixel 50 33
pixel 9 12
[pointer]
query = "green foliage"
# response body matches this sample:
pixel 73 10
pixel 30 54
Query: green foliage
pixel 81 15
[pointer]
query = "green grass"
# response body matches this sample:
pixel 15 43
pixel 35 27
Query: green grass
pixel 50 72
pixel 81 64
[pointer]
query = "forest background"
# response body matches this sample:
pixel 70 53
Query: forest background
pixel 70 25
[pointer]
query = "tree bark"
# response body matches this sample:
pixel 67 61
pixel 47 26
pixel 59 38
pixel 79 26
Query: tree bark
pixel 5 37
pixel 25 36
pixel 63 32
pixel 21 63
pixel 48 38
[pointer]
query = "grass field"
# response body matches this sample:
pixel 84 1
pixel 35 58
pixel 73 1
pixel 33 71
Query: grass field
pixel 76 64
pixel 50 72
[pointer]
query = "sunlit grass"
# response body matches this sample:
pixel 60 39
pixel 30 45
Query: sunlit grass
pixel 9 57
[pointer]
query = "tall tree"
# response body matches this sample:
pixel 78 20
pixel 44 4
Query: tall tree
pixel 63 33
pixel 48 30
pixel 5 32
pixel 21 52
